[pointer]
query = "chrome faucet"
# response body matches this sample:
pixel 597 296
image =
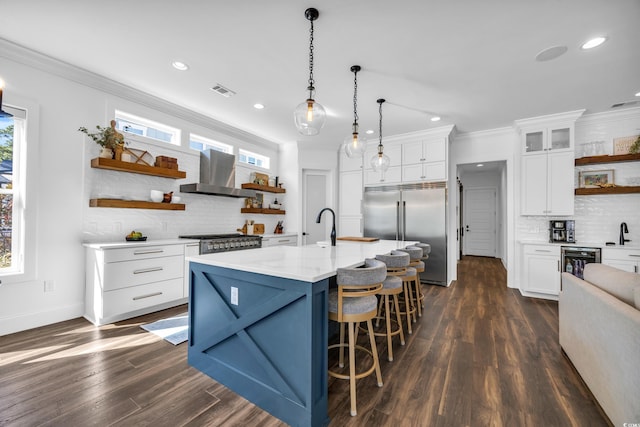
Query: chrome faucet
pixel 333 226
pixel 623 229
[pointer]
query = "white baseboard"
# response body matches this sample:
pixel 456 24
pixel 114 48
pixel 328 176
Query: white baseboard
pixel 23 322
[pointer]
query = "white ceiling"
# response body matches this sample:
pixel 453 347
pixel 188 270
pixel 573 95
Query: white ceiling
pixel 471 62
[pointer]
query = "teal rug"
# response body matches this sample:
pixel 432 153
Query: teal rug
pixel 174 329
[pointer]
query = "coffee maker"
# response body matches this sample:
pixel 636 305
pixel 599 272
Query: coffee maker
pixel 562 231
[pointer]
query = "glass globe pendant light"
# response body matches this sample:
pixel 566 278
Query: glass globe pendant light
pixel 310 116
pixel 354 144
pixel 380 162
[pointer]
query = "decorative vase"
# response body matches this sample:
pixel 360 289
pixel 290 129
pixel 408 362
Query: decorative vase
pixel 106 153
pixel 117 152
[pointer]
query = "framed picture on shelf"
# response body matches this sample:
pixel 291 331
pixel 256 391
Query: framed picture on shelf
pixel 596 179
pixel 623 145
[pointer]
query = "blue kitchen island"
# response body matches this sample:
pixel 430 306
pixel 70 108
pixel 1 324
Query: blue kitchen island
pixel 258 322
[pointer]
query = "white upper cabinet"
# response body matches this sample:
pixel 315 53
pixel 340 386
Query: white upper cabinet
pixel 425 151
pixel 548 139
pixel 547 164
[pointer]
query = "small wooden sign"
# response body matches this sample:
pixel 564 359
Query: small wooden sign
pixel 623 144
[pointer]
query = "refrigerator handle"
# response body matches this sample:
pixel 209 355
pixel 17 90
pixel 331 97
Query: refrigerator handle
pixel 404 219
pixel 397 220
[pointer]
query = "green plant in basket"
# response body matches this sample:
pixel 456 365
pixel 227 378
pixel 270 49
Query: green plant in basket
pixel 635 147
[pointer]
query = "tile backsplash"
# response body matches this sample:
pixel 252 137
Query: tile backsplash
pixel 597 220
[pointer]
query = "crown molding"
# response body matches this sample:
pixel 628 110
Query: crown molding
pixel 610 116
pixel 48 64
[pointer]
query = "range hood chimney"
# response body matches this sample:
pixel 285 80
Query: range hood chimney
pixel 217 176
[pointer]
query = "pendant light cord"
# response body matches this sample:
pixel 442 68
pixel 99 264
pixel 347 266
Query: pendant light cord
pixel 380 146
pixel 355 100
pixel 311 81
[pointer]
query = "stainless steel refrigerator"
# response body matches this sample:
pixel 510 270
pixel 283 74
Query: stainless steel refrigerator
pixel 411 212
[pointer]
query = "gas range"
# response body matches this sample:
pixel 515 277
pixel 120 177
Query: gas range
pixel 213 243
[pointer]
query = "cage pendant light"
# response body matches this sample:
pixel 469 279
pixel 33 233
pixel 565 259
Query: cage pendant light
pixel 380 162
pixel 355 144
pixel 310 116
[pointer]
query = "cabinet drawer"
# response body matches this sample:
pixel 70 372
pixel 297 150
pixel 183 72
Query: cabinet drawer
pixel 142 252
pixel 132 273
pixel 542 250
pixel 622 255
pixel 280 241
pixel 130 299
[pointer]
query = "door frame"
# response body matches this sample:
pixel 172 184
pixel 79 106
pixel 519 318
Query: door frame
pixel 329 199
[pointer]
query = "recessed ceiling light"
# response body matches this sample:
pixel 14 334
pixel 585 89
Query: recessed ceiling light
pixel 369 132
pixel 479 165
pixel 180 65
pixel 638 94
pixel 435 119
pixel 258 106
pixel 551 53
pixel 594 42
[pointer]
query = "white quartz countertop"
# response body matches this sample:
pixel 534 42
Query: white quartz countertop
pixel 309 263
pixel 629 245
pixel 148 242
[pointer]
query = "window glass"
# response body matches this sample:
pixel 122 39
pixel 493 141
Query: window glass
pixel 200 143
pixel 135 125
pixel 253 159
pixel 12 143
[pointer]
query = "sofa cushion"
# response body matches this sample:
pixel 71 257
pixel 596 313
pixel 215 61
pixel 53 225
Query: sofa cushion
pixel 620 284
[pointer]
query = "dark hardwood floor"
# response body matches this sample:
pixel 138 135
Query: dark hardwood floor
pixel 481 355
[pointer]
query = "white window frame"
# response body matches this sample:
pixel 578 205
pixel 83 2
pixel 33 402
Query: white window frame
pixel 209 143
pixel 24 195
pixel 266 161
pixel 144 124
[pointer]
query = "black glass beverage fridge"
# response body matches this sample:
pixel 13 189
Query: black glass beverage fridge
pixel 575 258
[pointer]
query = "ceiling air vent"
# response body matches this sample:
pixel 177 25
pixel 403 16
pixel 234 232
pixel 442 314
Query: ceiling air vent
pixel 624 104
pixel 227 93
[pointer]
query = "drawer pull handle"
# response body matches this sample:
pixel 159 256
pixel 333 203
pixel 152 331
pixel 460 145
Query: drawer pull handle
pixel 152 251
pixel 637 256
pixel 542 250
pixel 147 270
pixel 283 240
pixel 155 294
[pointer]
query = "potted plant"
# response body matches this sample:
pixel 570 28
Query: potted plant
pixel 111 141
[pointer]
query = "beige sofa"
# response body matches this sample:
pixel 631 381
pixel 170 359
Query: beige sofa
pixel 600 333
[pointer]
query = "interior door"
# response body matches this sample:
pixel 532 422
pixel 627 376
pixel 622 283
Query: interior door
pixel 315 199
pixel 480 222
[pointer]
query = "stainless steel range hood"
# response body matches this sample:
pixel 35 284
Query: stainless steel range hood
pixel 217 176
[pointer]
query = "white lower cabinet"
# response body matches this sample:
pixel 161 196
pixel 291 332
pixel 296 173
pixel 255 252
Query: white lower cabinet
pixel 624 259
pixel 124 281
pixel 541 272
pixel 280 240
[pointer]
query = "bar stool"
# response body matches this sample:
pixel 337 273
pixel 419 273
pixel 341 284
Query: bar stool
pixel 426 250
pixel 355 301
pixel 409 281
pixel 418 264
pixel 392 286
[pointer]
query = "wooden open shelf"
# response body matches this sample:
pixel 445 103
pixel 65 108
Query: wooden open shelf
pixel 607 190
pixel 266 188
pixel 607 159
pixel 135 204
pixel 263 211
pixel 117 165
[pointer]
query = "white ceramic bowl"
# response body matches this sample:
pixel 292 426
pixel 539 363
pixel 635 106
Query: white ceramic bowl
pixel 323 244
pixel 156 196
pixel 175 199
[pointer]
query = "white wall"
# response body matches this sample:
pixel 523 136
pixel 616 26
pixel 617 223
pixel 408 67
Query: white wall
pixel 64 99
